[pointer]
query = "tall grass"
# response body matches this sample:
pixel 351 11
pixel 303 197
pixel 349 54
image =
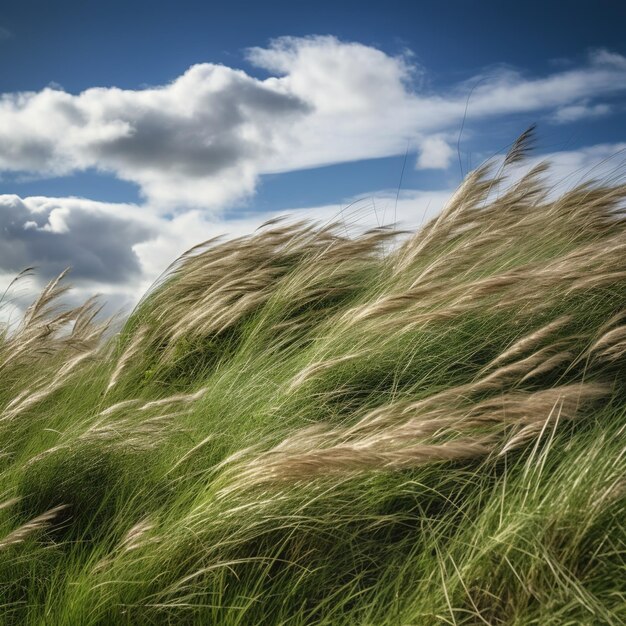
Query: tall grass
pixel 298 427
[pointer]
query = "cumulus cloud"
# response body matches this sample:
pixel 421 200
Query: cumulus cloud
pixel 194 141
pixel 95 239
pixel 204 139
pixel 435 153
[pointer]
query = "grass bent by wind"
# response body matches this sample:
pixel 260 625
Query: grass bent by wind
pixel 301 427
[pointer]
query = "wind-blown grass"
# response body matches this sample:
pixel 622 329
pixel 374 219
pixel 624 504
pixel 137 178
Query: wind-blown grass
pixel 297 427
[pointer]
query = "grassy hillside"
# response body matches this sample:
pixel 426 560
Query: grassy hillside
pixel 297 427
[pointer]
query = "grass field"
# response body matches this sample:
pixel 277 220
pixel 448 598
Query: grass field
pixel 297 427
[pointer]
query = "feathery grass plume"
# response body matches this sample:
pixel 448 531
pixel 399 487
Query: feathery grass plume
pixel 126 356
pixel 521 146
pixel 308 426
pixel 35 395
pixel 8 503
pixel 30 528
pixel 47 327
pixel 412 439
pixel 530 341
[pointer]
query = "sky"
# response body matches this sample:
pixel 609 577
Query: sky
pixel 131 131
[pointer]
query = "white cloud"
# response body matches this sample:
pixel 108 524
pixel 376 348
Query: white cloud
pixel 336 77
pixel 435 153
pixel 204 139
pixel 196 141
pixel 575 112
pixel 608 58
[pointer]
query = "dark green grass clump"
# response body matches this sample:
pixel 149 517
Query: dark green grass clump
pixel 298 427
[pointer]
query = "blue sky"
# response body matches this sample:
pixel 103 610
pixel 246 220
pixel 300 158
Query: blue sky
pixel 130 131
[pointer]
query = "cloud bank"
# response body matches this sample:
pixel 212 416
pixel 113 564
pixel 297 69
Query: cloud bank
pixel 95 238
pixel 204 139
